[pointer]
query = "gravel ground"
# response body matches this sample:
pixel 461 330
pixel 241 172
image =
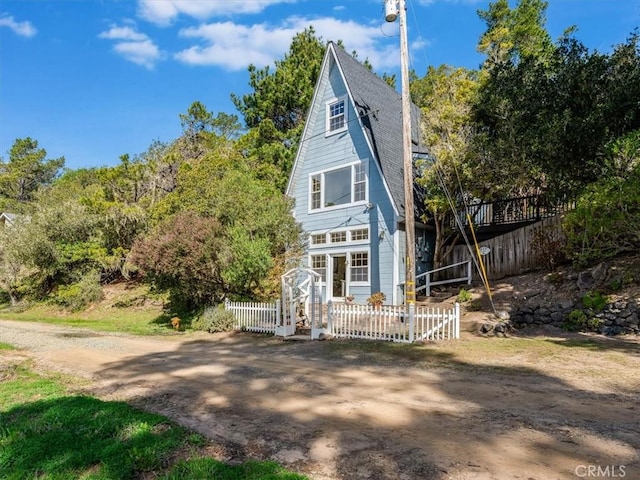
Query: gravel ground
pixel 345 413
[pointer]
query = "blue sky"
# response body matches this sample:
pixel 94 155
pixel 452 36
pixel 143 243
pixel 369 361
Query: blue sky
pixel 94 79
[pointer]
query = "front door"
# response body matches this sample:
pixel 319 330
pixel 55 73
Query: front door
pixel 338 277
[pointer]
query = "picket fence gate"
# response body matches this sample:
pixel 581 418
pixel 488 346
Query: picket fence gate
pixel 386 323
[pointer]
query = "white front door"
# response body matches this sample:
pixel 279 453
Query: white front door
pixel 338 277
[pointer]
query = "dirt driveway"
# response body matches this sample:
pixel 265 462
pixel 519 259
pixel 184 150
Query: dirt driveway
pixel 515 408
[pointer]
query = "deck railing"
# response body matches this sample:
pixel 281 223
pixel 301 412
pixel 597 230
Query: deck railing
pixel 510 211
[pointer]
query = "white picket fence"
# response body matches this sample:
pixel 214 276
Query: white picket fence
pixel 255 316
pixel 393 323
pixel 387 323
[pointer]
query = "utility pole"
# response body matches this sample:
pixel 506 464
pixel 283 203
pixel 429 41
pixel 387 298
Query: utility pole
pixel 407 157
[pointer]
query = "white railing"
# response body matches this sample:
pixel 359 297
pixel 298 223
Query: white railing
pixel 393 323
pixel 430 283
pixel 255 316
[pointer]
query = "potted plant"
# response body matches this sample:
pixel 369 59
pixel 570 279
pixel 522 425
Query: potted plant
pixel 376 299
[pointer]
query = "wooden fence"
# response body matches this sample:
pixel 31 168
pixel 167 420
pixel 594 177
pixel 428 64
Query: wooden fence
pixel 393 323
pixel 254 316
pixel 388 323
pixel 510 253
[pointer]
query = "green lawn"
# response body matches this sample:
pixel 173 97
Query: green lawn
pixel 46 432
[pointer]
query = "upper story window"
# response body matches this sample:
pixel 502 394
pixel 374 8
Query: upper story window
pixel 336 116
pixel 337 187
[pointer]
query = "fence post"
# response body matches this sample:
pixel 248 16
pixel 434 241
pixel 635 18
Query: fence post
pixel 457 321
pixel 330 317
pixel 278 313
pixel 412 322
pixel 469 277
pixel 428 284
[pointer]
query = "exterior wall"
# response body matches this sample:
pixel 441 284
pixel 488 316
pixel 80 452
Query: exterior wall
pixel 318 153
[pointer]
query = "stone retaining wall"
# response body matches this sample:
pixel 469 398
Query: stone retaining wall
pixel 619 316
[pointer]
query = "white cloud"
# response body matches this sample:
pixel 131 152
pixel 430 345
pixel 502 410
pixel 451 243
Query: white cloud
pixel 134 46
pixel 123 33
pixel 233 46
pixel 164 11
pixel 24 29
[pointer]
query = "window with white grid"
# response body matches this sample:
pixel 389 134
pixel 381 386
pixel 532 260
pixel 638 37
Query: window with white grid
pixel 359 267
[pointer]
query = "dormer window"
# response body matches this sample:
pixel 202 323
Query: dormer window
pixel 336 116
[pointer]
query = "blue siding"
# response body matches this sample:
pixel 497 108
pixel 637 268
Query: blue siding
pixel 319 153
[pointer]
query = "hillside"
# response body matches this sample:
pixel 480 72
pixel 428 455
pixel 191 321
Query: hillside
pixel 608 294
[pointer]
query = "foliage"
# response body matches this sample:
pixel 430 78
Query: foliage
pixel 185 255
pixel 579 321
pixel 514 34
pixel 595 301
pixel 604 222
pixel 215 319
pixel 464 296
pixel 27 170
pixel 549 247
pixel 81 294
pixel 376 299
pixel 445 96
pixel 276 108
pixel 546 126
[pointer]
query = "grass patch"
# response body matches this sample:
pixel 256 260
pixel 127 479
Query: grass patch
pixel 46 433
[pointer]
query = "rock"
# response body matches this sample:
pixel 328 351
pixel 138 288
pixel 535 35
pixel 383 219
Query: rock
pixel 486 327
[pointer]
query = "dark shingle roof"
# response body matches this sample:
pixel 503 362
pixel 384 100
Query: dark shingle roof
pixel 380 108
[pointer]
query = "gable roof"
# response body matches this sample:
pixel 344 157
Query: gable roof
pixel 379 107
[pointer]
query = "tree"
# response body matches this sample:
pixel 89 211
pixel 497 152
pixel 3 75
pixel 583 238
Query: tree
pixel 275 110
pixel 515 34
pixel 446 96
pixel 27 170
pixel 545 127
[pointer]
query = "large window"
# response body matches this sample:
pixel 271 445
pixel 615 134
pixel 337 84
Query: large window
pixel 338 187
pixel 336 116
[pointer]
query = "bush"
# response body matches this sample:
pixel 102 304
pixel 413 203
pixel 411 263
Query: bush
pixel 215 319
pixel 579 321
pixel 595 301
pixel 549 246
pixel 464 295
pixel 78 296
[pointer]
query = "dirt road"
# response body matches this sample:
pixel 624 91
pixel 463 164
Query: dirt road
pixel 473 409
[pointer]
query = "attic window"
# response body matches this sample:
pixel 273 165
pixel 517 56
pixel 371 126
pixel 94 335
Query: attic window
pixel 336 116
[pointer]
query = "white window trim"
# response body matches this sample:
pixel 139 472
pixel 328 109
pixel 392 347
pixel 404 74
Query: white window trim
pixel 322 173
pixel 349 241
pixel 347 252
pixel 327 132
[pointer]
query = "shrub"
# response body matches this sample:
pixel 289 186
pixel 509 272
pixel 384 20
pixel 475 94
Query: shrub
pixel 549 246
pixel 215 319
pixel 376 299
pixel 78 296
pixel 576 321
pixel 595 301
pixel 579 321
pixel 464 296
